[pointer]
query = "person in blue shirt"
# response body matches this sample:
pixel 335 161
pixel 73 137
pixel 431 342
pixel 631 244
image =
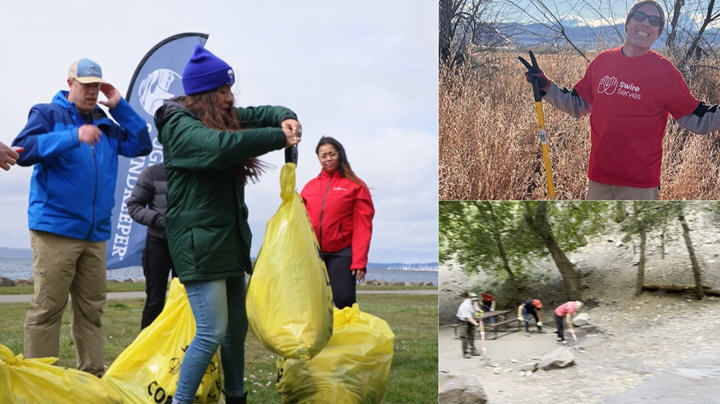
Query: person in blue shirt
pixel 74 147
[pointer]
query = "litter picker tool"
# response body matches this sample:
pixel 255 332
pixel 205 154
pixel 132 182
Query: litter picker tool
pixel 541 124
pixel 482 341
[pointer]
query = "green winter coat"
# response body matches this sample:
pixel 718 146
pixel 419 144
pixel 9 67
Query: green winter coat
pixel 207 230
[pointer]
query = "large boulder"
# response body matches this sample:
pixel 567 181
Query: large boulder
pixel 460 389
pixel 559 358
pixel 581 319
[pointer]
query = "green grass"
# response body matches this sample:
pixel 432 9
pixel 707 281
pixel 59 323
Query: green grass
pixel 413 319
pixel 140 287
pixel 111 287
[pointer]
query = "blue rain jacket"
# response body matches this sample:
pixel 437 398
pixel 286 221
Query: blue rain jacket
pixel 73 184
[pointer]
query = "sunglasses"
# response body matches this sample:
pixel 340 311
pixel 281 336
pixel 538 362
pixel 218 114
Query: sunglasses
pixel 654 20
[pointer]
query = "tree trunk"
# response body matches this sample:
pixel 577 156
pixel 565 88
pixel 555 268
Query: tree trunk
pixel 670 41
pixel 641 265
pixel 620 213
pixel 699 293
pixel 538 222
pixel 446 14
pixel 662 244
pixel 503 254
pixel 506 266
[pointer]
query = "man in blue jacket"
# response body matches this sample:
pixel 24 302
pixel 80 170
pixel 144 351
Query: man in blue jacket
pixel 74 147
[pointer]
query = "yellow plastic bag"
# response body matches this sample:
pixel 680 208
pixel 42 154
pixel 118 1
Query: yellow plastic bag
pixel 353 367
pixel 148 370
pixel 38 381
pixel 289 301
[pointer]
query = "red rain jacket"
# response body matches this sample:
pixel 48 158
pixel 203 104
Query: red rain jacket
pixel 341 213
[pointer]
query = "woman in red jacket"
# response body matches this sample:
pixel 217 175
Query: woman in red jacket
pixel 341 211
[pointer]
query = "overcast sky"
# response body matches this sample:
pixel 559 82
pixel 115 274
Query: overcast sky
pixel 363 72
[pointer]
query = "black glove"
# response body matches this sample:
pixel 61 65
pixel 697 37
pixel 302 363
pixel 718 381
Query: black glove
pixel 158 223
pixel 535 75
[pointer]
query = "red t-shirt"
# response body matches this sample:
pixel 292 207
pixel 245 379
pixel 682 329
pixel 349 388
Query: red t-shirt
pixel 565 308
pixel 631 99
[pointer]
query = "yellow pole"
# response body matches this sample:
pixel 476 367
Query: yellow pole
pixel 541 123
pixel 545 149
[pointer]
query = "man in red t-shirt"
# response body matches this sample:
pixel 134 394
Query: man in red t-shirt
pixel 629 92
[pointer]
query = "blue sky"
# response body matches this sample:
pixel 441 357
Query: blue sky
pixel 363 72
pixel 586 11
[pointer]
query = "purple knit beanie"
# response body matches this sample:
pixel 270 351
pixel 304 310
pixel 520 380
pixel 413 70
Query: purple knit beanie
pixel 205 71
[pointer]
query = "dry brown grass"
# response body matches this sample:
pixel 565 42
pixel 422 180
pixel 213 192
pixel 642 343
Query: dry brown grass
pixel 489 147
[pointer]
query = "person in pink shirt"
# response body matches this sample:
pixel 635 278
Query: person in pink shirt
pixel 564 314
pixel 629 92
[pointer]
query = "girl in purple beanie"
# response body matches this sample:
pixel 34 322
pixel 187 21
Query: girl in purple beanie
pixel 210 149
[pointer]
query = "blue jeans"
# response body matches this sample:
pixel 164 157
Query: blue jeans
pixel 219 311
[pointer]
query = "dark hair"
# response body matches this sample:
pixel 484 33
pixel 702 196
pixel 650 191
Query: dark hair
pixel 641 3
pixel 345 169
pixel 205 105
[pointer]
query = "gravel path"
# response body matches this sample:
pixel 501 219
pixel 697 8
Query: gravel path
pixel 657 347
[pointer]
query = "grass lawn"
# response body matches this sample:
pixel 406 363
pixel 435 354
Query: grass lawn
pixel 413 319
pixel 140 287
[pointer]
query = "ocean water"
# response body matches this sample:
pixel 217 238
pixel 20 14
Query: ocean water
pixel 21 268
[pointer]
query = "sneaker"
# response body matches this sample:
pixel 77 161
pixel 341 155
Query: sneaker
pixel 466 355
pixel 475 354
pixel 527 334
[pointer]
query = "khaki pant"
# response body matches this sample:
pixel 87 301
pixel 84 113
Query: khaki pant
pixel 598 191
pixel 467 336
pixel 63 265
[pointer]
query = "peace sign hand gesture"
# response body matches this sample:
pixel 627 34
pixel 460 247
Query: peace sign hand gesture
pixel 535 76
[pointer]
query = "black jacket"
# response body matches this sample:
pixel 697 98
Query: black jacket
pixel 148 201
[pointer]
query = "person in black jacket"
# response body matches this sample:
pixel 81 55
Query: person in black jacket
pixel 147 206
pixel 530 307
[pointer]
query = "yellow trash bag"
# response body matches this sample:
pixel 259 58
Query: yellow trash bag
pixel 38 381
pixel 354 366
pixel 148 370
pixel 289 301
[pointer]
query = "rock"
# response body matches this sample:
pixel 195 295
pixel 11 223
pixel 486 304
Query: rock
pixel 581 319
pixel 529 367
pixel 6 281
pixel 559 358
pixel 460 389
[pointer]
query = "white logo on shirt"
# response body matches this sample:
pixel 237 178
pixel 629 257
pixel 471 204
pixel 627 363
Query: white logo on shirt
pixel 339 189
pixel 608 85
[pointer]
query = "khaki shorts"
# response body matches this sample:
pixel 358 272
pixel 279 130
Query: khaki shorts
pixel 599 191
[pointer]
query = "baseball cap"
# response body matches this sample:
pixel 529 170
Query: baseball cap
pixel 85 71
pixel 472 296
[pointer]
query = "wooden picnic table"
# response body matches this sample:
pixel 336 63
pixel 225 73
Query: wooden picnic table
pixel 489 315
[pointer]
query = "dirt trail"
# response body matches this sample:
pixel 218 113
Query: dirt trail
pixel 658 347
